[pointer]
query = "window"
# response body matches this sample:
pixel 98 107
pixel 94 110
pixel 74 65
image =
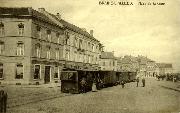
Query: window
pixel 89 45
pixel 21 29
pixel 19 71
pixel 37 71
pixel 49 35
pixel 89 59
pixel 92 47
pixel 75 55
pixel 48 54
pixel 67 38
pixel 20 48
pixel 1 48
pixel 57 54
pixel 39 32
pixel 75 42
pixel 58 38
pixel 1 29
pixel 38 50
pixel 56 73
pixel 110 63
pixel 80 44
pixel 113 63
pixel 1 70
pixel 67 55
pixel 104 63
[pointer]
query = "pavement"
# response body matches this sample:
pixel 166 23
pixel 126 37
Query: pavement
pixel 155 97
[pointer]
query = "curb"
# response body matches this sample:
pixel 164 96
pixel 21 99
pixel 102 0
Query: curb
pixel 175 89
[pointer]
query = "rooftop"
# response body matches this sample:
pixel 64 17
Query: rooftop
pixel 164 65
pixel 107 55
pixel 23 12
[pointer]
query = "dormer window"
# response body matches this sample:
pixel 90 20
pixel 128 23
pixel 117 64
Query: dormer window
pixel 21 29
pixel 1 29
pixel 49 35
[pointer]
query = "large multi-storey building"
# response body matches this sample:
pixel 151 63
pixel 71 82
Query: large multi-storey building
pixel 36 46
pixel 31 46
pixel 81 49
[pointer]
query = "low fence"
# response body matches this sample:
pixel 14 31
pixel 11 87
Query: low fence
pixel 3 101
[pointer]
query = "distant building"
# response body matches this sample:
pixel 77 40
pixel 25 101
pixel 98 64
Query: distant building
pixel 165 68
pixel 127 64
pixel 108 61
pixel 151 69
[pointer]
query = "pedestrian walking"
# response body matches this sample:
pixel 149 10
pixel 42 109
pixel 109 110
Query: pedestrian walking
pixel 83 85
pixel 94 89
pixel 123 83
pixel 143 82
pixel 137 80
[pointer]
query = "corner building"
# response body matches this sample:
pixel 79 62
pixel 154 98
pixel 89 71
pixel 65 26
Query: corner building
pixel 36 46
pixel 31 47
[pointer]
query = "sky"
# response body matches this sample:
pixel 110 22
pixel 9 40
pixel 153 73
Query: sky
pixel 152 31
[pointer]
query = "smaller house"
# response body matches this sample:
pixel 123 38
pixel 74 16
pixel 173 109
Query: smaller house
pixel 165 68
pixel 108 61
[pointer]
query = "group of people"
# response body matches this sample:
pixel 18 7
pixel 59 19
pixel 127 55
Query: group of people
pixel 97 84
pixel 137 81
pixel 143 82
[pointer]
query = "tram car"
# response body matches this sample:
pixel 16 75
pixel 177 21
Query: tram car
pixel 108 78
pixel 70 81
pixel 126 76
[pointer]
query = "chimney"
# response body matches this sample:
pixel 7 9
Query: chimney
pixel 58 16
pixel 41 9
pixel 91 32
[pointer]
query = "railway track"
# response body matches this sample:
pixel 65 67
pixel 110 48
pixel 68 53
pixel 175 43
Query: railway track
pixel 33 98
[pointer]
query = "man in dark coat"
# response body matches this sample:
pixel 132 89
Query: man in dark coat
pixel 143 82
pixel 137 80
pixel 83 85
pixel 122 83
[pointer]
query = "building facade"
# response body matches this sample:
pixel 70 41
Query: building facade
pixel 108 61
pixel 35 46
pixel 165 68
pixel 128 64
pixel 81 50
pixel 32 47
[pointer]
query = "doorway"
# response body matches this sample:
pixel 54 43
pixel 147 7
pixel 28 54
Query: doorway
pixel 47 74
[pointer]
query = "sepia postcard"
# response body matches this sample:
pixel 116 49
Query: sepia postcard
pixel 89 56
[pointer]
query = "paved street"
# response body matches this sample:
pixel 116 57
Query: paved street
pixel 154 98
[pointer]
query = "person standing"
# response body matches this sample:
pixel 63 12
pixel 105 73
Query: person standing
pixel 94 89
pixel 143 82
pixel 137 80
pixel 83 85
pixel 123 83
